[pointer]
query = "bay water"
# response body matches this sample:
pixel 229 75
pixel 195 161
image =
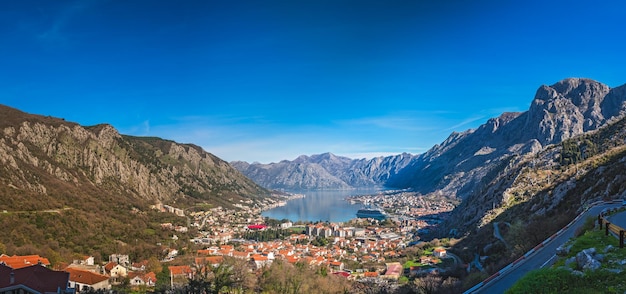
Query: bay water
pixel 320 205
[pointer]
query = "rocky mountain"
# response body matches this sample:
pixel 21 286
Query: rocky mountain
pixel 39 154
pixel 568 175
pixel 74 189
pixel 324 171
pixel 458 166
pixel 537 194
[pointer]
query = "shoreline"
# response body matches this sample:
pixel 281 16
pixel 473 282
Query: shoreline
pixel 283 202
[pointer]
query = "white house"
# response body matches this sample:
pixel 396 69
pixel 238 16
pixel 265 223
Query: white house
pixel 440 252
pixel 86 260
pixel 115 270
pixel 139 279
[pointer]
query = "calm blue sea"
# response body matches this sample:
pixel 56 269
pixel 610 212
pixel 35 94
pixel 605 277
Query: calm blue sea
pixel 320 205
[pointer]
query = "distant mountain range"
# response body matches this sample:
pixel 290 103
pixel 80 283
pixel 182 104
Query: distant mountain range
pixel 456 167
pixel 527 173
pixel 70 188
pixel 475 165
pixel 325 171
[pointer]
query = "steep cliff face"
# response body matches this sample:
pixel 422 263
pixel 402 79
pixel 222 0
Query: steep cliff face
pixel 324 171
pixel 567 108
pixel 464 163
pixel 458 166
pixel 51 157
pixel 291 175
pixel 537 194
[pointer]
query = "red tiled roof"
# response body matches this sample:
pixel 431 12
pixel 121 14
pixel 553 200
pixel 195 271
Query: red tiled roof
pixel 17 261
pixel 109 266
pixel 151 276
pixel 141 263
pixel 226 247
pixel 176 270
pixel 209 260
pixel 394 268
pixel 240 254
pixel 203 252
pixel 85 277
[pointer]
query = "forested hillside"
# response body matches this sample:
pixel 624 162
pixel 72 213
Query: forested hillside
pixel 70 189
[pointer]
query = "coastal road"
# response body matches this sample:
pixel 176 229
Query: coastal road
pixel 540 256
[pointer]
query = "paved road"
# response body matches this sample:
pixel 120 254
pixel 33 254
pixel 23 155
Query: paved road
pixel 618 219
pixel 541 257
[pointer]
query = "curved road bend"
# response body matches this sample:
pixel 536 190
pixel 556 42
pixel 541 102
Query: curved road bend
pixel 540 257
pixel 618 219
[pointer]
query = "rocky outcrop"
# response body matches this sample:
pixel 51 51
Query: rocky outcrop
pixel 46 155
pixel 324 171
pixel 460 166
pixel 589 259
pixel 560 179
pixel 291 175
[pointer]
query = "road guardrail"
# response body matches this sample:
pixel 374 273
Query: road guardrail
pixel 509 267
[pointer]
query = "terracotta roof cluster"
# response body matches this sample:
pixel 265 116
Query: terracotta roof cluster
pixel 20 261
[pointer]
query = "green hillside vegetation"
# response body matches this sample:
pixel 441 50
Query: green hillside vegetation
pixel 583 147
pixel 62 235
pixel 84 219
pixel 68 190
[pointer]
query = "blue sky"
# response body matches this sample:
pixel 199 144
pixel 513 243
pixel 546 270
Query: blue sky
pixel 270 80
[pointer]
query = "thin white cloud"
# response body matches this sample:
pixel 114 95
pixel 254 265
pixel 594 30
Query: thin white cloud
pixel 146 126
pixel 468 121
pixel 256 139
pixel 476 120
pixel 54 32
pixel 405 122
